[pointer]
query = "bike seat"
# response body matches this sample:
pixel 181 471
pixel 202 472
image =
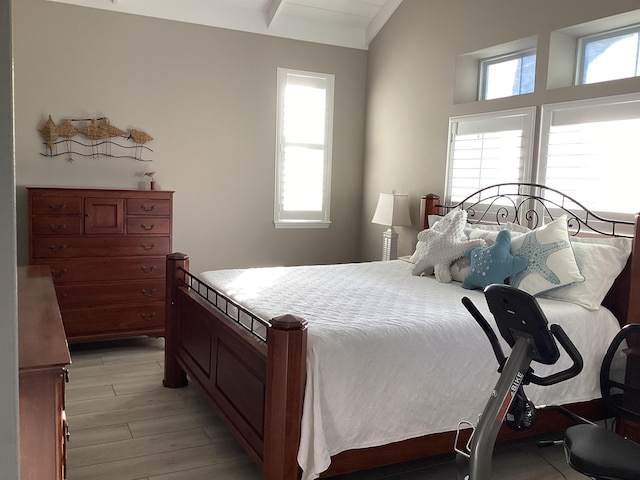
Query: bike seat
pixel 600 453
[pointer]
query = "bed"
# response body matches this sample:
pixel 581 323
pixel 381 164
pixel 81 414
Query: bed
pixel 319 392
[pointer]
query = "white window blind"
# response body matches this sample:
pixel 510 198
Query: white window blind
pixel 487 149
pixel 303 151
pixel 591 151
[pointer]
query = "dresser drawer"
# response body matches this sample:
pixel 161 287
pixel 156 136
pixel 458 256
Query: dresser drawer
pixel 148 206
pixel 58 205
pixel 69 247
pixel 68 270
pixel 148 225
pixel 130 320
pixel 94 294
pixel 56 225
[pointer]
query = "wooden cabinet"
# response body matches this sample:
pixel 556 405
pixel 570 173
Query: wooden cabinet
pixel 106 249
pixel 43 357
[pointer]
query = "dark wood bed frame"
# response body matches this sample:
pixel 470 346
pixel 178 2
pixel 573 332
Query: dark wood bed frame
pixel 256 381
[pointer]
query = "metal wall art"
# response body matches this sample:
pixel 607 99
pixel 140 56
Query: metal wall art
pixel 93 137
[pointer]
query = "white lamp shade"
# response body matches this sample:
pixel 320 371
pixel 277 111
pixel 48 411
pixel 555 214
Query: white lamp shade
pixel 392 210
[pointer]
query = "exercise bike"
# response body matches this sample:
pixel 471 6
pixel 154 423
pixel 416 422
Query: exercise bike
pixel 524 326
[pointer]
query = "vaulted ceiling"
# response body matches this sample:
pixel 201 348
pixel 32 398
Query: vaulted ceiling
pixel 347 23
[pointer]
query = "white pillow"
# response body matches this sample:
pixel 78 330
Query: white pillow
pixel 551 260
pixel 601 259
pixel 512 227
pixel 444 246
pixel 460 268
pixel 433 219
pixel 437 223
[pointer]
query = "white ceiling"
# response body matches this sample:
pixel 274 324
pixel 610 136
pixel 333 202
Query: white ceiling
pixel 346 23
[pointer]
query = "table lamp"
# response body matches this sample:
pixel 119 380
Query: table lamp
pixel 392 210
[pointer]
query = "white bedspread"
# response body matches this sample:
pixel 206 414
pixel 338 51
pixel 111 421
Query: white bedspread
pixel 392 356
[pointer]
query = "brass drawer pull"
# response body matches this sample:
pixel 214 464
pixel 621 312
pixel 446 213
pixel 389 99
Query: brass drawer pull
pixel 148 316
pixel 149 247
pixel 60 228
pixel 146 269
pixel 144 227
pixel 58 273
pixel 59 249
pixel 57 208
pixel 150 208
pixel 148 294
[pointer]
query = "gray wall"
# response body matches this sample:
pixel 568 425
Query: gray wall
pixel 208 97
pixel 411 73
pixel 9 458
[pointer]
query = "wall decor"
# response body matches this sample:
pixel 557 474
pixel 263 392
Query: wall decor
pixel 93 137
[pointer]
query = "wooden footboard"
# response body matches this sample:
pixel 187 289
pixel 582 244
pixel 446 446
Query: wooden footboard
pixel 256 387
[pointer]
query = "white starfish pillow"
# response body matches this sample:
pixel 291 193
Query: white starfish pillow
pixel 445 246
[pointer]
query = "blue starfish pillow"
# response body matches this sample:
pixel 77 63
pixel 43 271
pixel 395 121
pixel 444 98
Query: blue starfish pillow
pixel 493 264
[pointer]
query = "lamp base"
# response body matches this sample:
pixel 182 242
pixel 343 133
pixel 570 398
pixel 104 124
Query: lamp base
pixel 390 244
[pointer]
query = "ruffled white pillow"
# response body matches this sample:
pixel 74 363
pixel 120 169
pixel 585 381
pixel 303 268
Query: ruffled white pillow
pixel 436 223
pixel 443 245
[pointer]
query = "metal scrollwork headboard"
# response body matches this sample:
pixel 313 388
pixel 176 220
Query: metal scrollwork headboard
pixel 532 205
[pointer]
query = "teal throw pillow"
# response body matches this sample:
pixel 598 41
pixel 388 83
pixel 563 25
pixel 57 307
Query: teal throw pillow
pixel 493 264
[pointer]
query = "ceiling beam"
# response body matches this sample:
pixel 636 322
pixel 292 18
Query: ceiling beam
pixel 274 10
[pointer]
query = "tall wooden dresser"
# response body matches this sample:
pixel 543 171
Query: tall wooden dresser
pixel 106 249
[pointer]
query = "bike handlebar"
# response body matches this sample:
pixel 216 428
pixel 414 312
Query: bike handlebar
pixel 491 335
pixel 557 332
pixel 568 346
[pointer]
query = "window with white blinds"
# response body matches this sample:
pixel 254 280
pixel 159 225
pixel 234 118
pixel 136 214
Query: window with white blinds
pixel 487 149
pixel 303 149
pixel 591 151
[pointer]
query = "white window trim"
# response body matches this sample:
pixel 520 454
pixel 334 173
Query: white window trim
pixel 303 219
pixel 486 62
pixel 526 168
pixel 584 40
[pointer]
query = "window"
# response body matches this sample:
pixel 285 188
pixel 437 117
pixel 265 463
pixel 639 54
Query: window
pixel 590 150
pixel 609 55
pixel 487 149
pixel 303 149
pixel 508 75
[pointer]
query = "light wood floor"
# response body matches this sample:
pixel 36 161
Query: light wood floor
pixel 126 426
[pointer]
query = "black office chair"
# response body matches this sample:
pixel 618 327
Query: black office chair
pixel 594 450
